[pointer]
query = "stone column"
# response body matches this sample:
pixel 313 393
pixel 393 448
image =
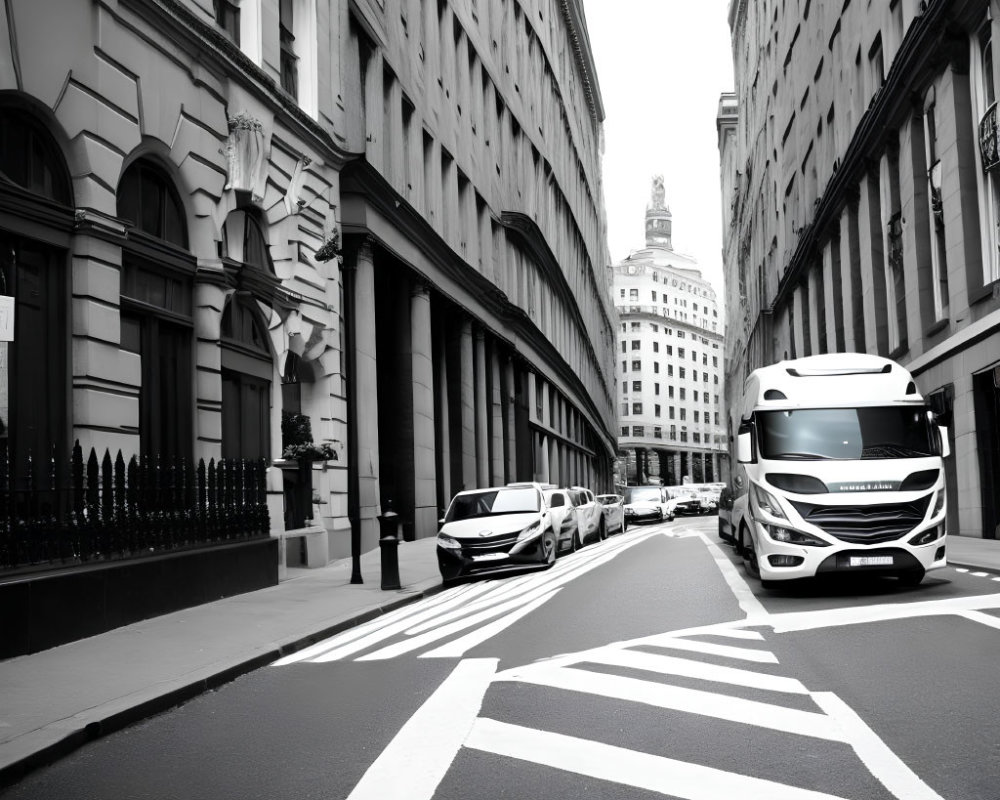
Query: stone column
pixel 424 457
pixel 444 422
pixel 543 461
pixel 365 393
pixel 678 475
pixel 468 407
pixel 510 429
pixel 482 413
pixel 496 420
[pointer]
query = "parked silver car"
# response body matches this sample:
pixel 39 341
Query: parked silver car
pixel 591 514
pixel 614 512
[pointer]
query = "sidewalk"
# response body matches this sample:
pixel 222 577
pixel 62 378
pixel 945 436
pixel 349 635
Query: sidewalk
pixel 54 701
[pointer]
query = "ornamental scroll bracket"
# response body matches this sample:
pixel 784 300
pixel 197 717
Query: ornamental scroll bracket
pixel 244 151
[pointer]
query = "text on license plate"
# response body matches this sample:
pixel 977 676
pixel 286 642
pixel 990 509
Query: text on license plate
pixel 871 561
pixel 489 557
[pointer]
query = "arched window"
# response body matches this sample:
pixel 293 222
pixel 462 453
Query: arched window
pixel 156 309
pixel 244 241
pixel 34 180
pixel 246 382
pixel 148 199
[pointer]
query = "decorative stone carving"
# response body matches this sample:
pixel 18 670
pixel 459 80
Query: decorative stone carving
pixel 244 151
pixel 293 202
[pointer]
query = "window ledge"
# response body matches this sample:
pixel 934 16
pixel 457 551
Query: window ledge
pixel 936 327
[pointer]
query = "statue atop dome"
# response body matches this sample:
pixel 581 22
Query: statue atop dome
pixel 658 217
pixel 658 193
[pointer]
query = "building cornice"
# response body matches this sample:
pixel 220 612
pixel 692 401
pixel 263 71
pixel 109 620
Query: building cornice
pixel 576 26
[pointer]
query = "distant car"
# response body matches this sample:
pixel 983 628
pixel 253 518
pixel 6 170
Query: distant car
pixel 499 529
pixel 726 530
pixel 565 519
pixel 646 504
pixel 614 512
pixel 682 501
pixel 591 514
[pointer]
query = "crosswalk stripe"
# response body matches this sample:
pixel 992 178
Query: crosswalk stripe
pixel 692 701
pixel 737 633
pixel 619 765
pixel 668 665
pixel 418 757
pixel 708 648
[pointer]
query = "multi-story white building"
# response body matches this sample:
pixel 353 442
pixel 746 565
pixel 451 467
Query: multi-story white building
pixel 861 199
pixel 670 353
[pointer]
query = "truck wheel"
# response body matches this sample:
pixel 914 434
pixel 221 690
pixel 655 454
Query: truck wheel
pixel 748 552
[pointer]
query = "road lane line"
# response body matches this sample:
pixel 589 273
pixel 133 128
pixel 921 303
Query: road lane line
pixel 458 647
pixel 417 758
pixel 692 701
pixel 619 765
pixel 668 665
pixel 755 612
pixel 387 625
pixel 736 633
pixel 416 642
pixel 881 762
pixel 981 618
pixel 709 648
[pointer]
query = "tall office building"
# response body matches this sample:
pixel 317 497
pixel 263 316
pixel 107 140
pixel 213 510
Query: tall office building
pixel 670 353
pixel 861 206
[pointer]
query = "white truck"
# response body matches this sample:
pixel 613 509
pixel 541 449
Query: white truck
pixel 838 470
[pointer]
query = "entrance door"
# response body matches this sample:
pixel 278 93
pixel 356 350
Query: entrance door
pixel 33 367
pixel 986 392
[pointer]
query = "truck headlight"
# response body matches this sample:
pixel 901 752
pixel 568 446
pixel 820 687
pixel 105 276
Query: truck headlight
pixel 766 502
pixel 789 536
pixel 447 542
pixel 939 502
pixel 928 536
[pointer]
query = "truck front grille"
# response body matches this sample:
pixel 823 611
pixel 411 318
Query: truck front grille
pixel 866 524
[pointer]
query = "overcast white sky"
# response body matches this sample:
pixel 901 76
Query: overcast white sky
pixel 662 65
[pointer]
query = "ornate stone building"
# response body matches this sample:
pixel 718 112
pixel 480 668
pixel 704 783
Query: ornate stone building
pixel 670 341
pixel 861 204
pixel 384 218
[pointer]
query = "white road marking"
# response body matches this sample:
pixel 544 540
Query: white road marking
pixel 979 574
pixel 883 764
pixel 459 647
pixel 627 767
pixel 416 760
pixel 755 612
pixel 983 619
pixel 687 668
pixel 736 633
pixel 692 701
pixel 708 648
pixel 960 569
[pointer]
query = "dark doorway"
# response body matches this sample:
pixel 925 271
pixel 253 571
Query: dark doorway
pixel 986 393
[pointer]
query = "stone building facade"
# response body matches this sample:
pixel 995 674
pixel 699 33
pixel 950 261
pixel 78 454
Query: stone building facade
pixel 860 206
pixel 670 354
pixel 385 217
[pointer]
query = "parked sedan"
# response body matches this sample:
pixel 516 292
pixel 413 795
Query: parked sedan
pixel 646 504
pixel 614 512
pixel 500 529
pixel 565 519
pixel 682 501
pixel 591 513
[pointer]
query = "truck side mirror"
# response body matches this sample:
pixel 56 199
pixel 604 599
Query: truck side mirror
pixel 945 446
pixel 744 448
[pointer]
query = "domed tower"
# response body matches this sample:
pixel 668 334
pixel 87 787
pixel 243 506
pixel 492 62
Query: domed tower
pixel 658 218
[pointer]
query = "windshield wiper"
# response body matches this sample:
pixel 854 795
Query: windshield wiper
pixel 799 455
pixel 890 450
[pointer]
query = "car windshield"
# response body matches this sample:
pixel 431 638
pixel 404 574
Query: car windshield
pixel 643 494
pixel 608 499
pixel 491 503
pixel 846 433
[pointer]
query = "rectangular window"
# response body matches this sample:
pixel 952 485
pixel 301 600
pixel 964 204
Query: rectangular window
pixel 636 408
pixel 636 365
pixel 289 61
pixel 633 294
pixel 635 344
pixel 656 347
pixel 656 409
pixel 656 388
pixel 227 17
pixel 638 430
pixel 636 386
pixel 984 95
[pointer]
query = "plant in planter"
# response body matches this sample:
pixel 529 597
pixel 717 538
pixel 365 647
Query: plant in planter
pixel 297 441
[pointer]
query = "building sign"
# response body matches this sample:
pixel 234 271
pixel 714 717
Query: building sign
pixel 988 139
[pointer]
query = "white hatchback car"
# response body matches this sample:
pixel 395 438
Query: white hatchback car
pixel 591 514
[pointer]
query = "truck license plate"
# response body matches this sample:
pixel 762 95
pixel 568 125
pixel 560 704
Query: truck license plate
pixel 871 561
pixel 489 557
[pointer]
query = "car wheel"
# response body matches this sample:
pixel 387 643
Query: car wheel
pixel 624 524
pixel 574 543
pixel 550 547
pixel 748 552
pixel 602 534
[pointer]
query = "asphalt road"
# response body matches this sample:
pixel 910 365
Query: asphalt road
pixel 644 666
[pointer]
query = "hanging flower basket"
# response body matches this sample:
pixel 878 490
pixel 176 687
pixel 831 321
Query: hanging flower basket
pixel 310 451
pixel 330 249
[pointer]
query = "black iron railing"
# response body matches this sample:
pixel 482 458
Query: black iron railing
pixel 77 512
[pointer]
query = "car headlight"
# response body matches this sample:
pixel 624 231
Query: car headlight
pixel 789 536
pixel 532 530
pixel 447 542
pixel 766 502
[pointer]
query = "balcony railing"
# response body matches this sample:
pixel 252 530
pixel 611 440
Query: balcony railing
pixel 56 514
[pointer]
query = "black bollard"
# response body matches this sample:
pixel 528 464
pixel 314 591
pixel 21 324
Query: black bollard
pixel 389 543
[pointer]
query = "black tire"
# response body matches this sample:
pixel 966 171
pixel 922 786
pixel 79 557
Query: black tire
pixel 749 554
pixel 602 533
pixel 574 543
pixel 551 546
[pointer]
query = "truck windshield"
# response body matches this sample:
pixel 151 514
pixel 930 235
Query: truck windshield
pixel 847 433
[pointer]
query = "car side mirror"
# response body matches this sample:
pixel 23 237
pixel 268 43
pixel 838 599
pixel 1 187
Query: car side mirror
pixel 744 448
